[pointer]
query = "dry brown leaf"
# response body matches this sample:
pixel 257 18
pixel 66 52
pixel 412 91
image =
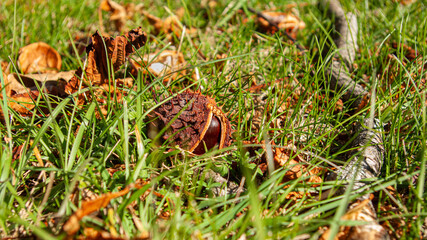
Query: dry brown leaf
pixel 102 53
pixel 405 2
pixel 360 211
pixel 5 67
pixel 53 82
pixel 73 224
pixel 287 21
pixel 39 58
pixel 23 90
pixel 17 152
pixel 92 233
pixel 118 14
pixel 100 57
pixel 220 64
pixel 296 167
pixel 170 25
pixel 168 64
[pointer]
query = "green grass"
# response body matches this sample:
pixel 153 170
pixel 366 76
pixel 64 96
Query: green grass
pixel 78 149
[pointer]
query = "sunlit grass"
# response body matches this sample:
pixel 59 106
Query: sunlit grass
pixel 80 150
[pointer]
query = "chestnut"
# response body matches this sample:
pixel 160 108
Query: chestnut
pixel 198 123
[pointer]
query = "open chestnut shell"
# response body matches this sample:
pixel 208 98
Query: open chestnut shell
pixel 195 122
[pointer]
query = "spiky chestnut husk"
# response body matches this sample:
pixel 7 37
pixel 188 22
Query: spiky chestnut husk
pixel 199 123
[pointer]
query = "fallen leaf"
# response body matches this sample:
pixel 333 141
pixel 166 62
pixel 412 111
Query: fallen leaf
pixel 23 90
pixel 405 2
pixel 104 52
pixel 5 67
pixel 118 13
pixel 22 83
pixel 92 233
pixel 296 168
pixel 39 58
pixel 362 211
pixel 287 21
pixel 73 223
pixel 17 152
pixel 168 64
pixel 223 61
pixel 171 26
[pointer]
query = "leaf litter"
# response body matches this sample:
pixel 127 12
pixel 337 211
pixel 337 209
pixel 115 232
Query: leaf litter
pixel 25 88
pixel 39 58
pixel 105 56
pixel 167 64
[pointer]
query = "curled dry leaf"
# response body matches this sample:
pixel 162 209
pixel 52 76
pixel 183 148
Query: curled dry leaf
pixel 166 64
pixel 287 21
pixel 104 52
pixel 362 211
pixel 297 168
pixel 118 13
pixel 23 90
pixel 39 58
pixel 169 26
pixel 73 223
pixel 195 122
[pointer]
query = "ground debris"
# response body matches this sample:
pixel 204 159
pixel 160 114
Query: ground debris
pixel 287 21
pixel 168 64
pixel 362 211
pixel 72 225
pixel 39 58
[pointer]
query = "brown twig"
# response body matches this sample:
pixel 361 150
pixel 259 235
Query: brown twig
pixel 367 157
pixel 368 142
pixel 346 42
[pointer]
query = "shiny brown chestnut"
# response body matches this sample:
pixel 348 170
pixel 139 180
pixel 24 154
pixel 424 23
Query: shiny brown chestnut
pixel 195 123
